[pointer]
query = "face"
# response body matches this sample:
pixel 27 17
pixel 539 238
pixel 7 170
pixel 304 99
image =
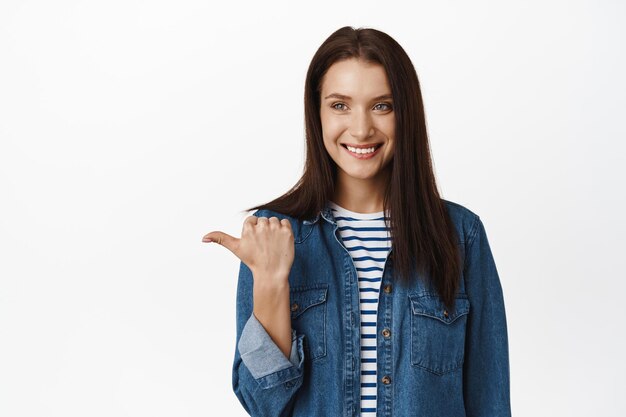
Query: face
pixel 357 118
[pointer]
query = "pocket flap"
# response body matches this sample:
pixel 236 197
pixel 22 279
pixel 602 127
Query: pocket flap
pixel 432 306
pixel 302 298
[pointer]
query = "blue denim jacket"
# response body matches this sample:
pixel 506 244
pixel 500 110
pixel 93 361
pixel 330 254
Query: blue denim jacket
pixel 431 364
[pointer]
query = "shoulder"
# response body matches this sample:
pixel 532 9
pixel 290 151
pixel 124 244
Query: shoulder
pixel 465 220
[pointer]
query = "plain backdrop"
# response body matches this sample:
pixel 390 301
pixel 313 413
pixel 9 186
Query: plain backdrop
pixel 129 129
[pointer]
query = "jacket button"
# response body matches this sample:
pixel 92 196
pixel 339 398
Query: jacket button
pixel 387 288
pixel 386 332
pixel 294 306
pixel 445 313
pixel 386 380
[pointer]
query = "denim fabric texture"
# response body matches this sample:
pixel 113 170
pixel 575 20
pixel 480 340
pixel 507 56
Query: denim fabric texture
pixel 433 362
pixel 259 352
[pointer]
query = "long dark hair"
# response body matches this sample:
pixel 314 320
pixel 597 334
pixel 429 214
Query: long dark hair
pixel 423 235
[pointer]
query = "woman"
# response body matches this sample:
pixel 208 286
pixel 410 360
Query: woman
pixel 361 291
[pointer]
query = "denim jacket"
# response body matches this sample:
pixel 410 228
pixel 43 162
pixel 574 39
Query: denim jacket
pixel 431 362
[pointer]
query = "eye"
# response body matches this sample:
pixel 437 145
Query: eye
pixel 334 106
pixel 383 104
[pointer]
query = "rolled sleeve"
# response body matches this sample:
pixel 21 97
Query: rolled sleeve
pixel 260 353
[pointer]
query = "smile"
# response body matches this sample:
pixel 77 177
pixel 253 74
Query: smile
pixel 363 153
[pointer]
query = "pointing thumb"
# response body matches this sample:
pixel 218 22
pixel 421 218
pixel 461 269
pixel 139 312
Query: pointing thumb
pixel 229 242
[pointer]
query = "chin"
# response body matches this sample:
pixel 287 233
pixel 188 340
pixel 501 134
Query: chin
pixel 361 175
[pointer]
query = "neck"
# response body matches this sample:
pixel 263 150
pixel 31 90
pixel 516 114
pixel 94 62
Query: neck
pixel 361 195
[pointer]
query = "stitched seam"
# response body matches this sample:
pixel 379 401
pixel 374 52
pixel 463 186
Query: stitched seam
pixel 473 233
pixel 302 239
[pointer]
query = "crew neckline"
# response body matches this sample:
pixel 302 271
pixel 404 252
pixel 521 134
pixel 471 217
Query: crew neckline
pixel 344 211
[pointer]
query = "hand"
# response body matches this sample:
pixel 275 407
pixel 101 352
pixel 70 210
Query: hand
pixel 266 246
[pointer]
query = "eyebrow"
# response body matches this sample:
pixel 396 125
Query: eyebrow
pixel 344 97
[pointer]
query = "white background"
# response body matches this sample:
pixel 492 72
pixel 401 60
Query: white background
pixel 129 129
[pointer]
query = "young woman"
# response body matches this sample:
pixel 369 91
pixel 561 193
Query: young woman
pixel 361 291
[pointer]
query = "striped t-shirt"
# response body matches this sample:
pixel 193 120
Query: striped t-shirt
pixel 368 240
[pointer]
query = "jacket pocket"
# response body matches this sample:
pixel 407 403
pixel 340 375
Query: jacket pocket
pixel 437 335
pixel 308 317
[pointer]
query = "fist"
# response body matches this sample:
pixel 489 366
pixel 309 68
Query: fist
pixel 266 246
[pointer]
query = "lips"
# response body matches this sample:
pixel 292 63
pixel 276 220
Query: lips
pixel 364 155
pixel 371 145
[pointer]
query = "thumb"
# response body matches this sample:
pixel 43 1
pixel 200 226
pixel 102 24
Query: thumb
pixel 229 242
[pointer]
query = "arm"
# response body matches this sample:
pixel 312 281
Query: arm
pixel 271 310
pixel 486 364
pixel 264 380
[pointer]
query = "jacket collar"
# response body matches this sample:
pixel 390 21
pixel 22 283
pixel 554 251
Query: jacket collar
pixel 326 213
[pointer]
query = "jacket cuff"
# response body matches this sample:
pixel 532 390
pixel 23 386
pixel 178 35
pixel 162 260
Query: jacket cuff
pixel 260 353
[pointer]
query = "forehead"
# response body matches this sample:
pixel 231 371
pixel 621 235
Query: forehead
pixel 355 78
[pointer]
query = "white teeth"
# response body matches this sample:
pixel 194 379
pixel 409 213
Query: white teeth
pixel 359 150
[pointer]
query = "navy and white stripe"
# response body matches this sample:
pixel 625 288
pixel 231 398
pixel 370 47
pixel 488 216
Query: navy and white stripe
pixel 368 240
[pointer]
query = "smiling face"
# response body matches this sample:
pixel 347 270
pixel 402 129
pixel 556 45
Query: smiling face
pixel 356 111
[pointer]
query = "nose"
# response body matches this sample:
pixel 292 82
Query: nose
pixel 361 126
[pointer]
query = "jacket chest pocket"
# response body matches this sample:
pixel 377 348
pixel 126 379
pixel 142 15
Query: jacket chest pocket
pixel 437 335
pixel 308 317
